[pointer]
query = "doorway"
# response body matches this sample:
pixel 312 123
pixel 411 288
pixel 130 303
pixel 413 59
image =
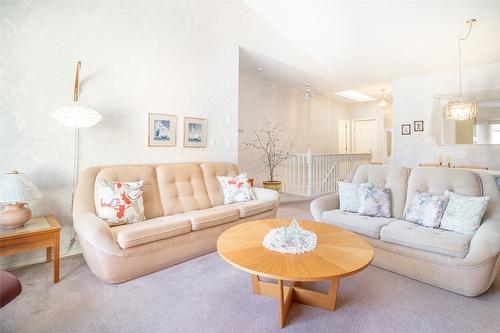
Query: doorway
pixel 365 138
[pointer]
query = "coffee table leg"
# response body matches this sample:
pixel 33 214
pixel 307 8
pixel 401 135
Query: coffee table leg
pixel 255 284
pixel 284 302
pixel 332 293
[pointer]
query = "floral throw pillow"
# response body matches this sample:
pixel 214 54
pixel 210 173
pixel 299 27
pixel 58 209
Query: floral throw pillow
pixel 349 196
pixel 426 209
pixel 463 213
pixel 120 202
pixel 236 189
pixel 375 201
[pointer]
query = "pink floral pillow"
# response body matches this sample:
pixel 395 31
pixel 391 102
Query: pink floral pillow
pixel 236 189
pixel 120 202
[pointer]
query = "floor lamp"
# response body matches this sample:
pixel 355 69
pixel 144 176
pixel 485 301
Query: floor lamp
pixel 76 116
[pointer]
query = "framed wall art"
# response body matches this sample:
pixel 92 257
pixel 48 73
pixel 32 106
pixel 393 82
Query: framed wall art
pixel 418 126
pixel 406 129
pixel 161 130
pixel 195 132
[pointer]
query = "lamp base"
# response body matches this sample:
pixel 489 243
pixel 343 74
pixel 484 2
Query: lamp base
pixel 15 215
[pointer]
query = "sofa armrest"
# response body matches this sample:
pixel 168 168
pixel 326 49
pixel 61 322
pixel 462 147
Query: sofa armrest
pixel 485 244
pixel 323 204
pixel 96 232
pixel 265 194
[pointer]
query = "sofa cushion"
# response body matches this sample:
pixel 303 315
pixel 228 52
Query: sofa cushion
pixel 148 231
pixel 206 218
pixel 212 170
pixel 433 240
pixel 463 213
pixel 365 225
pixel 349 196
pixel 182 188
pixel 375 201
pixel 395 178
pixel 253 207
pixel 151 196
pixel 436 181
pixel 120 202
pixel 236 189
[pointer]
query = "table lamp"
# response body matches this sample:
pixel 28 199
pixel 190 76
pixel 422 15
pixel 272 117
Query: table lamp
pixel 16 189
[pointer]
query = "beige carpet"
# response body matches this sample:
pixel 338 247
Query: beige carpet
pixel 208 295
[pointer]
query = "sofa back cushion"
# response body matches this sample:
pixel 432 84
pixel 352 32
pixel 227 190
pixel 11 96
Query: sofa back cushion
pixel 151 196
pixel 395 178
pixel 212 170
pixel 436 181
pixel 182 188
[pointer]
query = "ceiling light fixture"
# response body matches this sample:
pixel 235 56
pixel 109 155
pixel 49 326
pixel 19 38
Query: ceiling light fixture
pixel 383 102
pixel 259 69
pixel 307 91
pixel 355 96
pixel 462 108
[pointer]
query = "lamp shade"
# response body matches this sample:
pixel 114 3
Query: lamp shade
pixel 17 188
pixel 77 116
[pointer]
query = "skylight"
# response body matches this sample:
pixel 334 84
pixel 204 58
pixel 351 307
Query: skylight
pixel 355 96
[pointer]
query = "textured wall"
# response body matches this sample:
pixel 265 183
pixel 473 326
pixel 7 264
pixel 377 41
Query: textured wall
pixel 314 126
pixel 414 98
pixel 166 57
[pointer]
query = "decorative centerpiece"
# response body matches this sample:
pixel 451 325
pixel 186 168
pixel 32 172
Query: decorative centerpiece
pixel 292 239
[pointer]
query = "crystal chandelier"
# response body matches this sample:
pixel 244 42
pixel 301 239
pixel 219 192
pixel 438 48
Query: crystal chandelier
pixel 462 108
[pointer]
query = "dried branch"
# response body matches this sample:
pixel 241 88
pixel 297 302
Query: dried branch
pixel 274 151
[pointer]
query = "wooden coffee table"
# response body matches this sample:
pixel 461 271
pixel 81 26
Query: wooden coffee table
pixel 338 253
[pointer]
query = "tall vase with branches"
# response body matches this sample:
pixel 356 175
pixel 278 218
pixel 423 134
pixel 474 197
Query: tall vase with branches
pixel 275 150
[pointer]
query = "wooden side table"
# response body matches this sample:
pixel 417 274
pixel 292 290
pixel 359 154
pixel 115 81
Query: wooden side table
pixel 38 232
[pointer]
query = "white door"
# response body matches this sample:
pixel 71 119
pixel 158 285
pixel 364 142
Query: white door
pixel 365 136
pixel 344 136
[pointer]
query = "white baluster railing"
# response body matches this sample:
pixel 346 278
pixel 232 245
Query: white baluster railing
pixel 316 174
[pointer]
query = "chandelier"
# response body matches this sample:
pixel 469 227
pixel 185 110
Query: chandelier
pixel 462 108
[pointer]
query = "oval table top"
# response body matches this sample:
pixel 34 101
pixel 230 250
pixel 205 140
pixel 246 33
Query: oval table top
pixel 338 252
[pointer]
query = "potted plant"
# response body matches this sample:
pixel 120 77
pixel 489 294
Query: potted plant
pixel 274 150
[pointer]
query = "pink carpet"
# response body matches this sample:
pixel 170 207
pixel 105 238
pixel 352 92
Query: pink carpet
pixel 208 295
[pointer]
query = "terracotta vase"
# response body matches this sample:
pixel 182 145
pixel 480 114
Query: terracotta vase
pixel 272 185
pixel 15 215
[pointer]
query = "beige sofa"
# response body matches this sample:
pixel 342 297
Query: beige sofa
pixel 453 261
pixel 185 214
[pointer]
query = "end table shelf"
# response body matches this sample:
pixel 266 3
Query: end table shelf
pixel 37 233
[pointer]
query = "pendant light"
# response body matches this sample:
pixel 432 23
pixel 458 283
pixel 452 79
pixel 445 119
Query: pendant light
pixel 462 108
pixel 383 102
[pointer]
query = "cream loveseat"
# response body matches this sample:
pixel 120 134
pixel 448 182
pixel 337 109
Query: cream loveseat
pixel 453 261
pixel 185 214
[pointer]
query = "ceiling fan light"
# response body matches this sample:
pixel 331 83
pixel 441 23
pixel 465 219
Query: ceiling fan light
pixel 382 103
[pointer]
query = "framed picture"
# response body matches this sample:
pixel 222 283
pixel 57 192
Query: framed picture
pixel 406 129
pixel 418 126
pixel 195 132
pixel 162 130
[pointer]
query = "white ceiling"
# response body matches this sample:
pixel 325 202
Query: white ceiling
pixel 366 45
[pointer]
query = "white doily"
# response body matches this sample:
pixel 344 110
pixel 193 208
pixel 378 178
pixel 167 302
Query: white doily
pixel 292 239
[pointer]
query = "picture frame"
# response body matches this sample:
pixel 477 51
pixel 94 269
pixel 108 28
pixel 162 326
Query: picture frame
pixel 195 132
pixel 418 126
pixel 162 130
pixel 406 129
